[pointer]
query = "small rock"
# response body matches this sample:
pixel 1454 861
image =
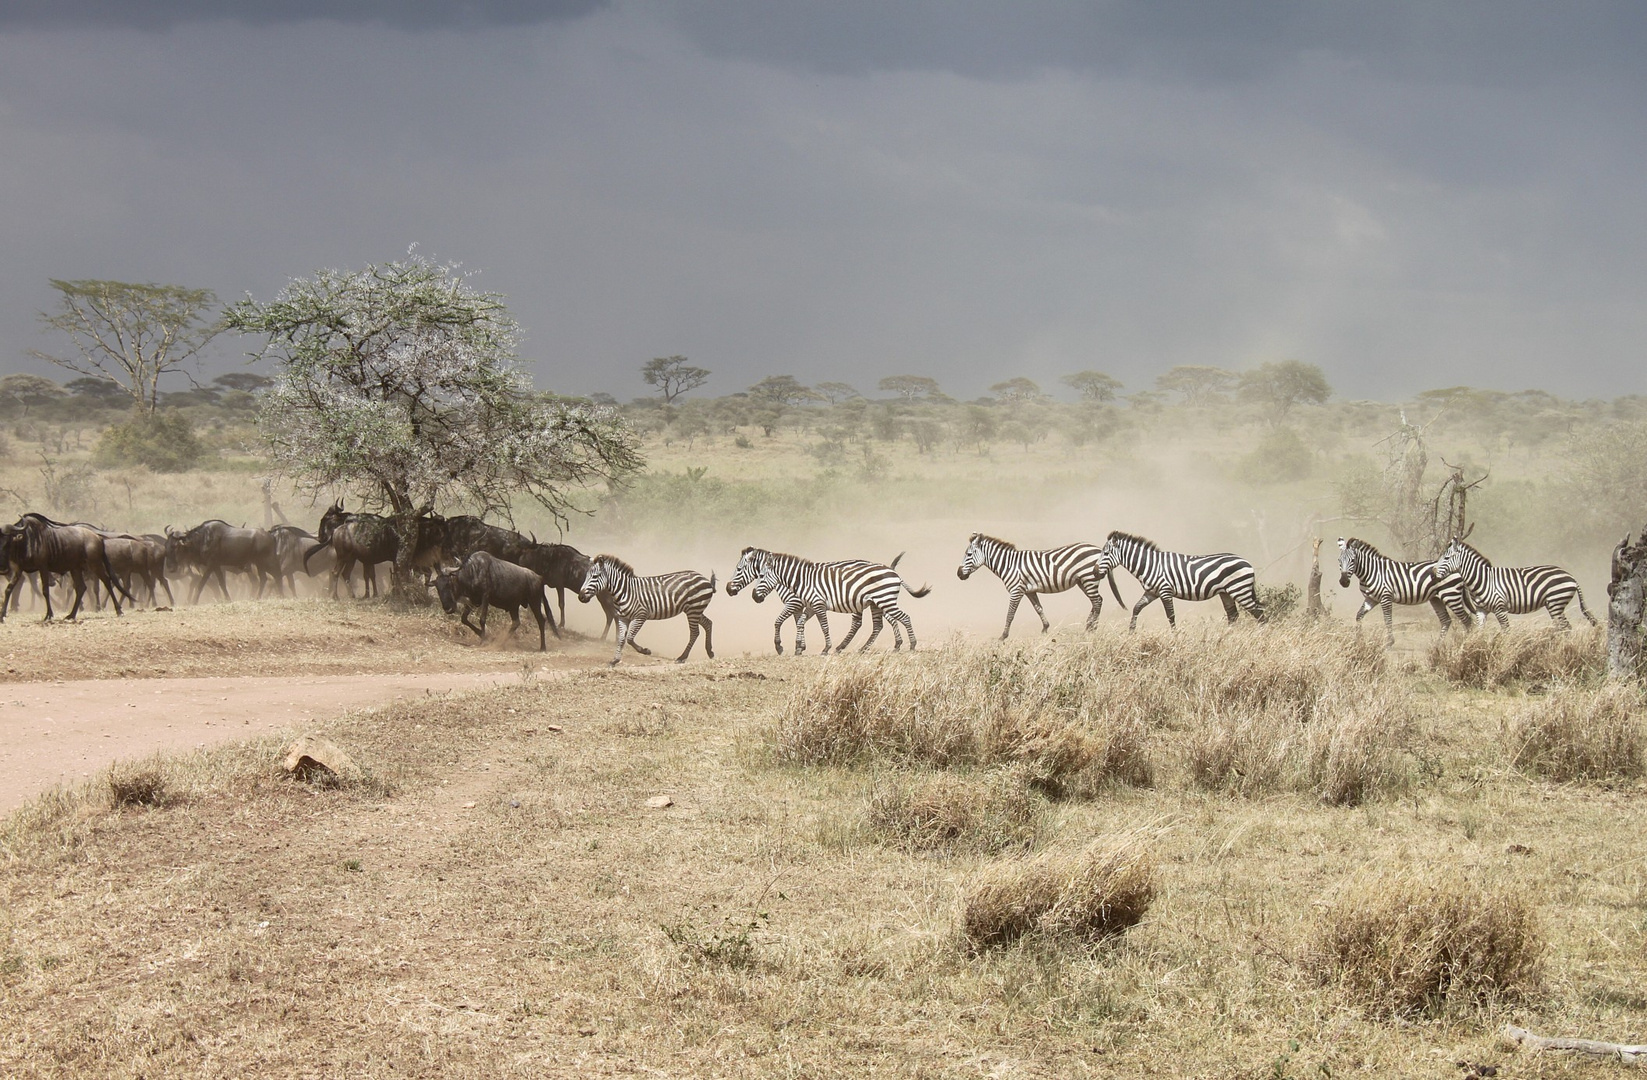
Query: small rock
pixel 312 758
pixel 515 803
pixel 660 802
pixel 468 805
pixel 1517 849
pixel 556 728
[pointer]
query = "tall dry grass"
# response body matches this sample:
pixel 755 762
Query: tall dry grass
pixel 988 813
pixel 1409 942
pixel 1248 710
pixel 1579 734
pixel 1082 896
pixel 1526 654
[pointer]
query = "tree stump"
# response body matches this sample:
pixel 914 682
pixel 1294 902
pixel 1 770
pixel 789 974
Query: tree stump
pixel 1626 608
pixel 1314 609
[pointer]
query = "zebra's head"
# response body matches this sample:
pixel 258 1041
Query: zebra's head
pixel 766 581
pixel 749 567
pixel 1346 562
pixel 976 555
pixel 1448 563
pixel 594 580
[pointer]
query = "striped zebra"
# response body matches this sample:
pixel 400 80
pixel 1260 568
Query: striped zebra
pixel 812 589
pixel 1169 576
pixel 1030 573
pixel 1385 582
pixel 633 600
pixel 1512 590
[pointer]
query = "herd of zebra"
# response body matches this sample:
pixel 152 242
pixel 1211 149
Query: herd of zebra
pixel 1461 585
pixel 474 564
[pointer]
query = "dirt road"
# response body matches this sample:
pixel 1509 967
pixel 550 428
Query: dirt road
pixel 61 732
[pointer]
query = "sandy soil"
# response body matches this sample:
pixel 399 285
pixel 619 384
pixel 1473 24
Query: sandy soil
pixel 62 732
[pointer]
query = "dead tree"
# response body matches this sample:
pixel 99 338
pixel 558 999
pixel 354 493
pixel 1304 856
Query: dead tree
pixel 1627 609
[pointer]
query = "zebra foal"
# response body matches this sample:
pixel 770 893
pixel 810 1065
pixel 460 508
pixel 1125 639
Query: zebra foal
pixel 1385 582
pixel 1027 574
pixel 1512 590
pixel 633 600
pixel 1171 575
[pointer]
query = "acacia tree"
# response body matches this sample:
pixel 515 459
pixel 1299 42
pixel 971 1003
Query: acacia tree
pixel 130 334
pixel 400 382
pixel 1281 385
pixel 1199 384
pixel 673 376
pixel 1093 385
pixel 912 387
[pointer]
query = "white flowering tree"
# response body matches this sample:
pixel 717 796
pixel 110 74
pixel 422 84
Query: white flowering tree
pixel 400 382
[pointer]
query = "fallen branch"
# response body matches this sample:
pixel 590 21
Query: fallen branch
pixel 1521 1038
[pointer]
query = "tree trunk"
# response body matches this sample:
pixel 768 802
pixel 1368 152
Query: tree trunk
pixel 1626 608
pixel 1314 609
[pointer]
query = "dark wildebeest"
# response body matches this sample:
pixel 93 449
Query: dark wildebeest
pixel 214 546
pixel 369 539
pixel 562 567
pixel 484 581
pixel 291 545
pixel 36 544
pixel 139 557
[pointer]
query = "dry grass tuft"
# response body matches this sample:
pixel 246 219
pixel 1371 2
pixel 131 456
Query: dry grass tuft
pixel 1085 896
pixel 1531 656
pixel 1575 734
pixel 979 813
pixel 1351 753
pixel 1400 944
pixel 136 785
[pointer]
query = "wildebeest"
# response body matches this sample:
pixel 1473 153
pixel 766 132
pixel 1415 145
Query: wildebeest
pixel 291 545
pixel 485 582
pixel 562 567
pixel 137 558
pixel 37 544
pixel 369 539
pixel 215 546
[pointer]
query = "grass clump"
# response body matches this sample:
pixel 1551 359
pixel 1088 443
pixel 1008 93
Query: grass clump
pixel 729 945
pixel 1403 944
pixel 1084 896
pixel 947 812
pixel 1534 657
pixel 136 785
pixel 1576 734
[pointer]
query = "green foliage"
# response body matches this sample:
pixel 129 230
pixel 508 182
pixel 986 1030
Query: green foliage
pixel 728 945
pixel 1281 386
pixel 1197 384
pixel 163 441
pixel 673 376
pixel 1280 457
pixel 1093 386
pixel 912 387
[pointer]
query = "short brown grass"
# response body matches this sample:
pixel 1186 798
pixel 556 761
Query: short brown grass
pixel 1412 942
pixel 1528 655
pixel 987 812
pixel 1083 896
pixel 1579 734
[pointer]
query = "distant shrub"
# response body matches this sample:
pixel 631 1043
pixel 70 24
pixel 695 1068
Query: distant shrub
pixel 1533 657
pixel 1402 944
pixel 1575 734
pixel 1082 896
pixel 1279 458
pixel 163 441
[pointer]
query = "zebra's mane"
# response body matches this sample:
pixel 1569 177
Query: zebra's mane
pixel 792 558
pixel 1007 544
pixel 1358 544
pixel 1141 541
pixel 613 560
pixel 1472 549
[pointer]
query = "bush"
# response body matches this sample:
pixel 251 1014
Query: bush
pixel 1398 944
pixel 1279 601
pixel 990 813
pixel 136 786
pixel 163 441
pixel 1576 735
pixel 1084 896
pixel 1535 657
pixel 1279 458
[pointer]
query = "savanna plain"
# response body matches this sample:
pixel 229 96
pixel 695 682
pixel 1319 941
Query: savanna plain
pixel 1260 850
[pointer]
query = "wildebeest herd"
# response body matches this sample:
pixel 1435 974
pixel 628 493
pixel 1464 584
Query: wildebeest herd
pixel 471 564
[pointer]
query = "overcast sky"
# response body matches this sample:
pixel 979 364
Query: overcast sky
pixel 1410 195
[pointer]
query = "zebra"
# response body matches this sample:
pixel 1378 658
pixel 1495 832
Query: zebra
pixel 1385 582
pixel 1029 573
pixel 1169 575
pixel 1512 590
pixel 812 589
pixel 633 600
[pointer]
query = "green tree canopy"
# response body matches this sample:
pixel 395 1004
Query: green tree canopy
pixel 673 376
pixel 130 334
pixel 400 381
pixel 1197 384
pixel 1017 389
pixel 911 387
pixel 1282 385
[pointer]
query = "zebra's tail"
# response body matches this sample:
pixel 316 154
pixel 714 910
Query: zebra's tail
pixel 1115 588
pixel 711 583
pixel 893 565
pixel 1579 595
pixel 916 593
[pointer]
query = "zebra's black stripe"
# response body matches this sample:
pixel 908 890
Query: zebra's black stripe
pixel 635 600
pixel 1030 573
pixel 1170 575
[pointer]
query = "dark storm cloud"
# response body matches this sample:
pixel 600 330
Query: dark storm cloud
pixel 1481 41
pixel 403 14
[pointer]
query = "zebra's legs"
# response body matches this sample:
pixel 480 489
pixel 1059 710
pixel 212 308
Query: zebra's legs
pixel 634 632
pixel 1166 606
pixel 1143 602
pixel 791 610
pixel 1034 602
pixel 874 628
pixel 1558 615
pixel 1503 618
pixel 623 637
pixel 857 624
pixel 909 627
pixel 1440 610
pixel 1231 612
pixel 1013 597
pixel 1389 623
pixel 1096 595
pixel 823 624
pixel 708 636
pixel 693 621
